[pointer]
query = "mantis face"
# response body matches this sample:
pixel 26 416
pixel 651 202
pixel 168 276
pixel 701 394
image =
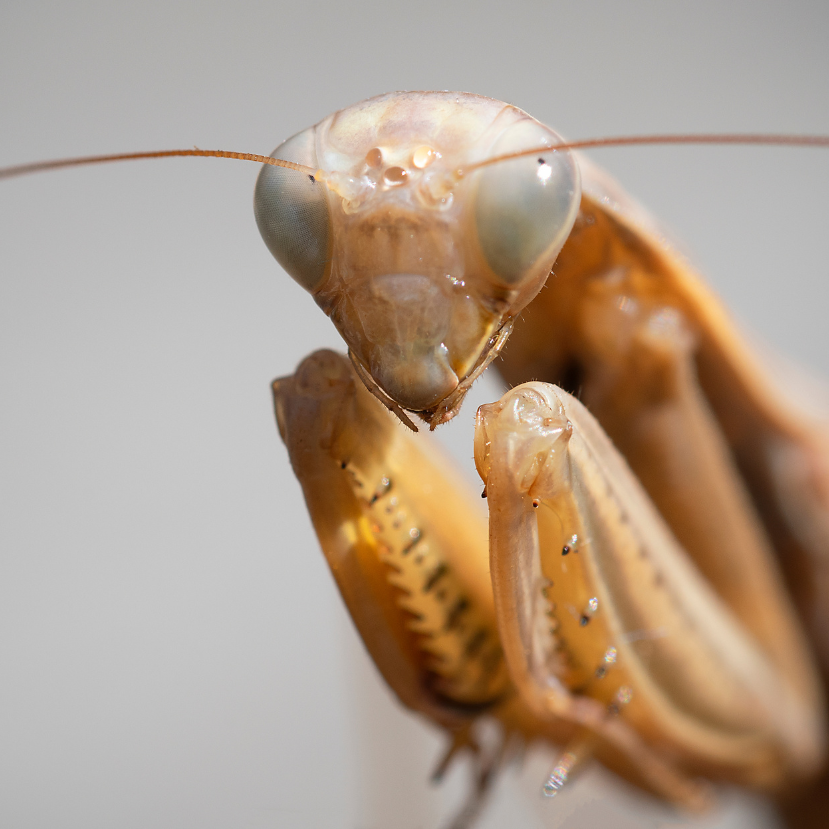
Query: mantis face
pixel 420 266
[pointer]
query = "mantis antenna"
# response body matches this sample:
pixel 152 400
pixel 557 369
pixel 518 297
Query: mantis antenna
pixel 57 164
pixel 740 139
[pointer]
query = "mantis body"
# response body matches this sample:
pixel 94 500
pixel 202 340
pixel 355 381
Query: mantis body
pixel 429 226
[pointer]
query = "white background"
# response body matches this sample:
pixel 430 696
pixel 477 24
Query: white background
pixel 172 650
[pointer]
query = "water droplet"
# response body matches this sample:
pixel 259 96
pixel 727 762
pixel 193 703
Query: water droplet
pixel 624 695
pixel 610 656
pixel 593 605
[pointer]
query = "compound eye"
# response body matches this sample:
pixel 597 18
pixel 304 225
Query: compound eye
pixel 291 212
pixel 525 207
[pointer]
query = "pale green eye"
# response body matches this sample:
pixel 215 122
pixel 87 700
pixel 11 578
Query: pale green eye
pixel 292 213
pixel 525 207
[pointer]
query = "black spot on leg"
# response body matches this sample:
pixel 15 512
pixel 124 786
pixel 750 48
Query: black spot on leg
pixel 458 609
pixel 474 645
pixel 436 575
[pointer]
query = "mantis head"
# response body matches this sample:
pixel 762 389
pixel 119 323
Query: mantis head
pixel 420 250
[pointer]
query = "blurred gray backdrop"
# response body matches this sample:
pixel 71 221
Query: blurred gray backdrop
pixel 172 649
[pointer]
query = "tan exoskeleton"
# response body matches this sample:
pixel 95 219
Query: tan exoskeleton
pixel 407 545
pixel 648 614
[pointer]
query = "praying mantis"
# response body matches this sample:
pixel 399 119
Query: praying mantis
pixel 401 396
pixel 626 325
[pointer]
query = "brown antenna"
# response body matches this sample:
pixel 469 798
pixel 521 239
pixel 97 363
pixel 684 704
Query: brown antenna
pixel 757 139
pixel 42 166
pixel 740 139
